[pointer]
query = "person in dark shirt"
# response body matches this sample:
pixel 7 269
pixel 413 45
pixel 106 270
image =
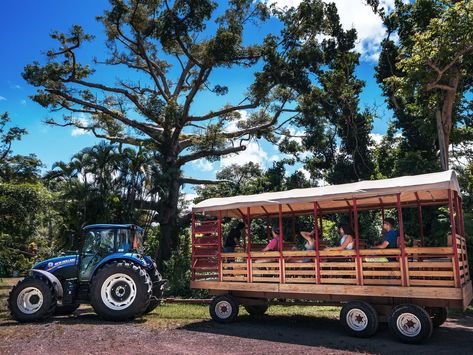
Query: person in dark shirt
pixel 233 238
pixel 390 235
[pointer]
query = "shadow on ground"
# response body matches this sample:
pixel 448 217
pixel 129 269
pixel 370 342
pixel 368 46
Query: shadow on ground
pixel 454 337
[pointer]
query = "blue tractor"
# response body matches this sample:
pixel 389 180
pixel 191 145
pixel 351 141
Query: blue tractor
pixel 109 272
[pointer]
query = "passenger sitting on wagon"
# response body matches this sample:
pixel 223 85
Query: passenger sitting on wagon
pixel 390 235
pixel 274 242
pixel 272 245
pixel 346 242
pixel 233 238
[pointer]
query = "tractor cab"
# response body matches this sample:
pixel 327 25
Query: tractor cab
pixel 108 241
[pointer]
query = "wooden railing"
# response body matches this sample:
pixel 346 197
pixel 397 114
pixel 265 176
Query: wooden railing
pixel 462 259
pixel 423 267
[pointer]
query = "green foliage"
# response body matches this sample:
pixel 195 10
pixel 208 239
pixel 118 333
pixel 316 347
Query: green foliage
pixel 21 209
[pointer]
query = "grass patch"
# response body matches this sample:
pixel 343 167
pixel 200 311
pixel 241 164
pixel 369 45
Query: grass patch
pixel 170 315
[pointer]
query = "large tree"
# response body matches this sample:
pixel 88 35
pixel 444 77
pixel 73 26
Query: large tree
pixel 172 49
pixel 426 70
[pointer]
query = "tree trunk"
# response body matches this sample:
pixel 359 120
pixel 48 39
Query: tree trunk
pixel 169 187
pixel 445 118
pixel 441 138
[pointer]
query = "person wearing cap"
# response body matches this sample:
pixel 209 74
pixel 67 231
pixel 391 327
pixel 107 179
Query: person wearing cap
pixel 390 235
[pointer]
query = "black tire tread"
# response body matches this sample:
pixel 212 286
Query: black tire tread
pixel 120 264
pixel 49 313
pixel 231 300
pixel 368 309
pixel 421 313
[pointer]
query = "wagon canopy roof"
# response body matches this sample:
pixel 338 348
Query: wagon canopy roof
pixel 424 189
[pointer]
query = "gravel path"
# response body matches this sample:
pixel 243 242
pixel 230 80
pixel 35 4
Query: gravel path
pixel 84 333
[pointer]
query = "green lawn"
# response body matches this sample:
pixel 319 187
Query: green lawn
pixel 172 314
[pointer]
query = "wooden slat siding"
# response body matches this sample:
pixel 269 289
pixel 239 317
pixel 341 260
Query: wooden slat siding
pixel 380 252
pixel 325 272
pixel 425 273
pixel 299 272
pixel 310 265
pixel 339 264
pixel 387 265
pixel 382 273
pixel 369 281
pixel 300 280
pixel 325 280
pixel 266 279
pixel 420 282
pixel 430 250
pixel 234 272
pixel 430 264
pixel 352 290
pixel 234 279
pixel 267 254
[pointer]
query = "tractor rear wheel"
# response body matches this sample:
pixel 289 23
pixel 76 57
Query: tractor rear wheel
pixel 32 299
pixel 157 292
pixel 120 291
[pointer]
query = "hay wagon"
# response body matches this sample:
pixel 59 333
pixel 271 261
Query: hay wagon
pixel 410 287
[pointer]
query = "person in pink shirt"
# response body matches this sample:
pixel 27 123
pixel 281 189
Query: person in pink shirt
pixel 272 246
pixel 273 243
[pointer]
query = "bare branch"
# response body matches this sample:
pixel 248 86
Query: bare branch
pixel 188 180
pixel 207 153
pixel 224 111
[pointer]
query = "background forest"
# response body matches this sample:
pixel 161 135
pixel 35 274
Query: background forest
pixel 304 98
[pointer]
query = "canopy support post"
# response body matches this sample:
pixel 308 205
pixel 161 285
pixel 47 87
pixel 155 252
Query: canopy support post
pixel 359 270
pixel 248 250
pixel 317 250
pixel 454 240
pixel 401 239
pixel 281 259
pixel 219 255
pixel 193 246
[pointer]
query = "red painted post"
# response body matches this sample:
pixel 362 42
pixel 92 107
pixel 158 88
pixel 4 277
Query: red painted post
pixel 248 261
pixel 457 213
pixel 401 238
pixel 219 236
pixel 321 226
pixel 193 245
pixel 421 225
pixel 359 270
pixel 317 251
pixel 268 230
pixel 382 214
pixel 293 227
pixel 281 261
pixel 454 240
pixel 462 221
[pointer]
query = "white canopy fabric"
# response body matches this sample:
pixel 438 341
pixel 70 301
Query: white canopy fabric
pixel 426 188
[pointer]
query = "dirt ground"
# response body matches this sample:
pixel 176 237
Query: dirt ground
pixel 85 333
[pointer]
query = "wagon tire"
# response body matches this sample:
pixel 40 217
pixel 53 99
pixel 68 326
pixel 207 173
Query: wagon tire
pixel 410 324
pixel 223 309
pixel 33 299
pixel 438 315
pixel 120 291
pixel 359 319
pixel 256 309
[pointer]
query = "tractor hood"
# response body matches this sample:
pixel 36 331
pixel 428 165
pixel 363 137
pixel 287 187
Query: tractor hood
pixel 58 262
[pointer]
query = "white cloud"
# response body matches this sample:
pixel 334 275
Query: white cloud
pixel 23 102
pixel 305 172
pixel 357 14
pixel 2 98
pixel 376 137
pixel 203 165
pixel 253 153
pixel 189 198
pixel 232 125
pixel 83 121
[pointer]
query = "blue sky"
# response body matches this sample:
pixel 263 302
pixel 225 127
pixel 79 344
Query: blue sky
pixel 24 36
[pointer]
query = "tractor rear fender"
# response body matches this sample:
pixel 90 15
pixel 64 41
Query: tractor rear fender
pixel 54 281
pixel 130 257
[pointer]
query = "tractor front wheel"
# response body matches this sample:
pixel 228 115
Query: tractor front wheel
pixel 32 299
pixel 120 291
